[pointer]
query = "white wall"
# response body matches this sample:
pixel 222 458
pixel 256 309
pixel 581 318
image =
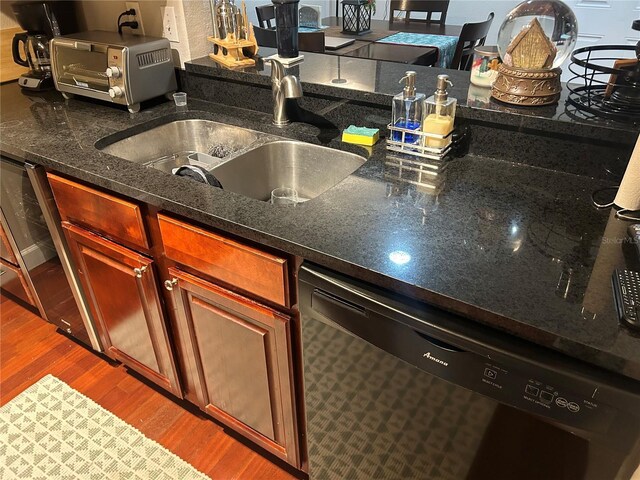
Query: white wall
pixel 193 18
pixel 600 21
pixel 197 16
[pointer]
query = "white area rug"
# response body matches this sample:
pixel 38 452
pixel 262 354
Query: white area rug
pixel 51 431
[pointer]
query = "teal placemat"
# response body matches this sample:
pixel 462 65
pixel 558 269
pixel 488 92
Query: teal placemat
pixel 302 28
pixel 445 44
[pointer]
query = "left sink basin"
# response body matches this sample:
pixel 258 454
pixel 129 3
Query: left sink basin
pixel 167 146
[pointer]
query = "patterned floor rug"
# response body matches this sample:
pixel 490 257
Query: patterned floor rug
pixel 52 431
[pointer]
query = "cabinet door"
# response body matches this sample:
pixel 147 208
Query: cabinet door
pixel 121 289
pixel 12 281
pixel 239 362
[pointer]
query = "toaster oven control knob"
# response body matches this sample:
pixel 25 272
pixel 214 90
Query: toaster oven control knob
pixel 115 92
pixel 113 72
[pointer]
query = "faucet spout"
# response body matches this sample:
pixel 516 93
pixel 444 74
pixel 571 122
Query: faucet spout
pixel 282 87
pixel 292 87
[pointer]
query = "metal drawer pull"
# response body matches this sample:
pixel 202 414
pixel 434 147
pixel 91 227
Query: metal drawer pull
pixel 169 284
pixel 140 271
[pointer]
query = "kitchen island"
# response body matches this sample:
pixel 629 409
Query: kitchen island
pixel 515 246
pixel 483 247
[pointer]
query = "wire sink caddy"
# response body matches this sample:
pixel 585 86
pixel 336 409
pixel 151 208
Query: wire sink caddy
pixel 426 144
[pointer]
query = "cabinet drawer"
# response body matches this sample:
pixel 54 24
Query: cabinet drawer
pixel 239 265
pixel 117 219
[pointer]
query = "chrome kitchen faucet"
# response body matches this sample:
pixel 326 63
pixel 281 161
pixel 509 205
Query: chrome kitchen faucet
pixel 282 87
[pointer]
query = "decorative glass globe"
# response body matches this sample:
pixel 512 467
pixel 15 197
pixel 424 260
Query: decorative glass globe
pixel 556 19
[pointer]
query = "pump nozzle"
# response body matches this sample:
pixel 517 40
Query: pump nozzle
pixel 410 83
pixel 441 94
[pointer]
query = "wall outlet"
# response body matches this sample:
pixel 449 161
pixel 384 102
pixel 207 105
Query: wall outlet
pixel 169 24
pixel 137 17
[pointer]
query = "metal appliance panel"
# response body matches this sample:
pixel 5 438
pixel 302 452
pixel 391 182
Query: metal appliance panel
pixel 30 220
pixel 44 195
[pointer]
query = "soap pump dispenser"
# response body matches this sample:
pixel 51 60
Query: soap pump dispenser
pixel 440 113
pixel 408 110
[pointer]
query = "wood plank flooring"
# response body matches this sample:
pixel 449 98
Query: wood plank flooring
pixel 31 348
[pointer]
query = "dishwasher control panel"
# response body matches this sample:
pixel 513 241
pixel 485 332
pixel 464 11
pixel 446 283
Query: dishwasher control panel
pixel 541 396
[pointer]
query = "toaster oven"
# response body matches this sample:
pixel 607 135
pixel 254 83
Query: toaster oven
pixel 122 69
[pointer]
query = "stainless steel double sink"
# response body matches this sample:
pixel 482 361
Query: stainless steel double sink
pixel 245 161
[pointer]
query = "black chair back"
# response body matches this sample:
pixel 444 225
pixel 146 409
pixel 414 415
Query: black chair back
pixel 422 6
pixel 473 35
pixel 266 37
pixel 266 13
pixel 311 41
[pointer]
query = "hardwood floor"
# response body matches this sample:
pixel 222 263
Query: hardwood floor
pixel 31 348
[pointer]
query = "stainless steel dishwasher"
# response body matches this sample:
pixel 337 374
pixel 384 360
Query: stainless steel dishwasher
pixel 36 251
pixel 397 389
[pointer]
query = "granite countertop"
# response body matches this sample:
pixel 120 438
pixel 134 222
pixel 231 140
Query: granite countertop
pixel 515 247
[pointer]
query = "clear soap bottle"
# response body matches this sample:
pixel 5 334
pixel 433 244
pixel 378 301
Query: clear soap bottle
pixel 439 115
pixel 408 110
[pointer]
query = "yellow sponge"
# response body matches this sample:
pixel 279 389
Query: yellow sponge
pixel 360 135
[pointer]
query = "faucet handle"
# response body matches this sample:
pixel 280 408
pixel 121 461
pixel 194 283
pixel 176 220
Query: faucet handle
pixel 277 69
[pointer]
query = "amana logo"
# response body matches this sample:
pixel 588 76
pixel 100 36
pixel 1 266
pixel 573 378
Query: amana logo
pixel 434 359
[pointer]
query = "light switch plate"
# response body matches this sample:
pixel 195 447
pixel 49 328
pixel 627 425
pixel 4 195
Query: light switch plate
pixel 169 24
pixel 138 18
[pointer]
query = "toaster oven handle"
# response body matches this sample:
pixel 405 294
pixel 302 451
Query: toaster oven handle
pixel 76 45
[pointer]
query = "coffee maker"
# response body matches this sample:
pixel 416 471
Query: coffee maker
pixel 42 21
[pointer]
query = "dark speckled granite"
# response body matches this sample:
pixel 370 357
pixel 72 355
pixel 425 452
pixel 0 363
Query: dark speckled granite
pixel 508 245
pixel 548 137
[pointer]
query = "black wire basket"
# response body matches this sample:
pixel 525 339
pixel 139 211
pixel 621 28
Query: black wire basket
pixel 601 86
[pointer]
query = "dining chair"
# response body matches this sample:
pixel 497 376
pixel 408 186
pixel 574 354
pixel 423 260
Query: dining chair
pixel 266 37
pixel 311 42
pixel 472 35
pixel 309 16
pixel 307 41
pixel 266 13
pixel 421 6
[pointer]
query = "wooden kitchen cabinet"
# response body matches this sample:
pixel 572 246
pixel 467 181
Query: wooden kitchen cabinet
pixel 120 286
pixel 236 264
pixel 237 359
pixel 111 216
pixel 12 280
pixel 6 252
pixel 233 348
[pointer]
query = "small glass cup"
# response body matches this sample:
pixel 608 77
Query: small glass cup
pixel 180 98
pixel 284 196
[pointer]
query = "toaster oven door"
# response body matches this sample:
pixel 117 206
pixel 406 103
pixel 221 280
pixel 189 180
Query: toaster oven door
pixel 81 68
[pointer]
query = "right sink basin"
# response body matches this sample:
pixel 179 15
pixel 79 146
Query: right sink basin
pixel 307 168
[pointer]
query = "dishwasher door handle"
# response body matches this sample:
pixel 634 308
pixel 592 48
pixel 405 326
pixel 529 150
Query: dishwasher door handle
pixel 331 305
pixel 439 343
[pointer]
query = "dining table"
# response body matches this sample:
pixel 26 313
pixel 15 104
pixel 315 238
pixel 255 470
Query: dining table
pixel 416 43
pixel 385 28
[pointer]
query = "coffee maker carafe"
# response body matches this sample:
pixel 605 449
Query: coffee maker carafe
pixel 32 51
pixel 42 21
